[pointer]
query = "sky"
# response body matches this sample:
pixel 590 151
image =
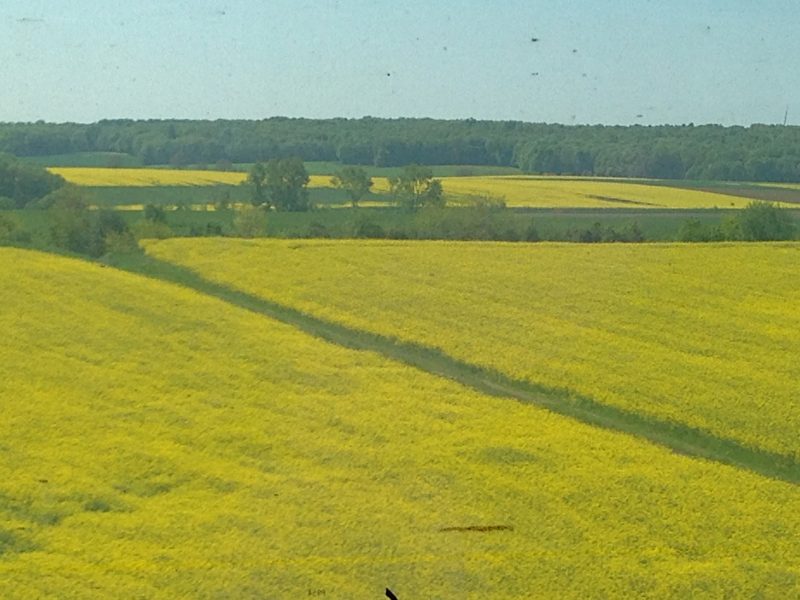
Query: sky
pixel 733 62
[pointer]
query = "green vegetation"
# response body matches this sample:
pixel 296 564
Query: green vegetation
pixel 22 183
pixel 87 159
pixel 262 462
pixel 280 184
pixel 758 222
pixel 416 188
pixel 34 228
pixel 707 152
pixel 354 181
pixel 78 221
pixel 82 231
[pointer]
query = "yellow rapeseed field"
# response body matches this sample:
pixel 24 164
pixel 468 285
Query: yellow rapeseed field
pixel 142 177
pixel 107 177
pixel 155 443
pixel 536 192
pixel 559 192
pixel 704 335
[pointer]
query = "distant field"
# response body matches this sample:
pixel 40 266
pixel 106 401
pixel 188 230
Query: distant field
pixel 515 191
pixel 118 159
pixel 787 194
pixel 703 335
pixel 159 443
pixel 329 168
pixel 559 192
pixel 145 178
pixel 166 195
pixel 102 177
pixel 790 186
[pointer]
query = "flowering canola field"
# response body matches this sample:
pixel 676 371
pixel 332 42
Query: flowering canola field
pixel 703 335
pixel 559 192
pixel 158 443
pixel 108 177
pixel 535 192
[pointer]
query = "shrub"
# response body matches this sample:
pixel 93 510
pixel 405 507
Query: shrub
pixel 368 229
pixel 152 230
pixel 317 230
pixel 693 230
pixel 80 230
pixel 121 243
pixel 250 222
pixel 763 221
pixel 154 213
pixel 531 234
pixel 7 229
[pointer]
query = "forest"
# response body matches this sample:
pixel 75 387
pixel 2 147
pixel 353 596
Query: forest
pixel 693 152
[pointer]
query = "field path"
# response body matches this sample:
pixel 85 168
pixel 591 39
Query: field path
pixel 675 436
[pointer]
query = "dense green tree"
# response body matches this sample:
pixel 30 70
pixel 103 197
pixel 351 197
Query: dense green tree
pixel 758 152
pixel 415 188
pixel 23 182
pixel 155 214
pixel 763 221
pixel 354 181
pixel 7 229
pixel 257 179
pixel 80 230
pixel 285 184
pixel 250 222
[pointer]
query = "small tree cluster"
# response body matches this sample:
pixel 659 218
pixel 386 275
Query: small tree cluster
pixel 355 181
pixel 758 221
pixel 10 232
pixel 78 229
pixel 416 188
pixel 24 183
pixel 599 233
pixel 280 184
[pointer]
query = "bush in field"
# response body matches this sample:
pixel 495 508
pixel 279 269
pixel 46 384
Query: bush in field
pixel 368 229
pixel 416 188
pixel 597 233
pixel 122 242
pixel 11 233
pixel 250 222
pixel 7 229
pixel 693 230
pixel 763 221
pixel 280 183
pixel 155 214
pixel 317 230
pixel 759 221
pixel 151 230
pixel 531 233
pixel 354 181
pixel 24 182
pixel 80 230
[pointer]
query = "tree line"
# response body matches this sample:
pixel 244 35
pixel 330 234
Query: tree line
pixel 705 152
pixel 22 183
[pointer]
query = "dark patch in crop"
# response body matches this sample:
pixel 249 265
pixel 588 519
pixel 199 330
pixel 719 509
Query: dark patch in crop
pixel 479 528
pixel 622 200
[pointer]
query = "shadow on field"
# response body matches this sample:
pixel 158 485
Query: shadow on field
pixel 677 437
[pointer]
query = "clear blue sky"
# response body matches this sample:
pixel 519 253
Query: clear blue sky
pixel 601 61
